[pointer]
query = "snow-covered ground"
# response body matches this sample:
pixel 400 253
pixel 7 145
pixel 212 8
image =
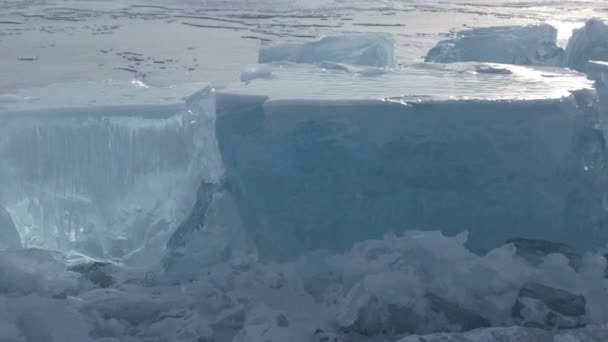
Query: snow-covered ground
pixel 341 191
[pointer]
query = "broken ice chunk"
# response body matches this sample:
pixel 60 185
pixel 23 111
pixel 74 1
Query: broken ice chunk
pixel 524 45
pixel 371 49
pixel 590 42
pixel 89 165
pixel 321 158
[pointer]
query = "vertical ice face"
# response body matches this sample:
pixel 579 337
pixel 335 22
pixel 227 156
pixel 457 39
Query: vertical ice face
pixel 588 43
pixel 319 158
pixel 525 45
pixel 370 49
pixel 109 171
pixel 9 238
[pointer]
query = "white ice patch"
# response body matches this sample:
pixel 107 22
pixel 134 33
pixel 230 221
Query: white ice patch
pixel 524 45
pixel 370 49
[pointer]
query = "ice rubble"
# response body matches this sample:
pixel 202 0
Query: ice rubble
pixel 370 49
pixel 379 290
pixel 588 43
pixel 107 172
pixel 524 45
pixel 321 158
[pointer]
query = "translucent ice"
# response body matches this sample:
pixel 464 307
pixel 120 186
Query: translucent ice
pixel 108 171
pixel 588 43
pixel 371 49
pixel 9 238
pixel 525 45
pixel 321 158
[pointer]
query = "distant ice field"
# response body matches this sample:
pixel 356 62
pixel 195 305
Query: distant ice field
pixel 171 41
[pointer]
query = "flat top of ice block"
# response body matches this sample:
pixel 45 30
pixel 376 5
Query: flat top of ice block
pixel 420 82
pixel 110 93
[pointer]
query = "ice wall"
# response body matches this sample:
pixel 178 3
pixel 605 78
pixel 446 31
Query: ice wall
pixel 588 43
pixel 370 49
pixel 108 171
pixel 525 45
pixel 321 158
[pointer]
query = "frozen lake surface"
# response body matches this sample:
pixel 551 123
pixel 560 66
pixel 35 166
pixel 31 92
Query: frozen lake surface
pixel 165 41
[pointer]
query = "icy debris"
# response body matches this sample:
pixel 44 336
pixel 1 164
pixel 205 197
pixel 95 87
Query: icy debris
pixel 256 71
pixel 35 318
pixel 422 282
pixel 588 43
pixel 533 251
pixel 546 307
pixel 36 271
pixel 524 45
pixel 516 334
pixel 96 272
pixel 414 147
pixel 213 233
pixel 9 238
pixel 371 49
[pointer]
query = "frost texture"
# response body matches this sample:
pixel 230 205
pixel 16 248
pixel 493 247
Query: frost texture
pixel 110 180
pixel 525 45
pixel 588 43
pixel 370 49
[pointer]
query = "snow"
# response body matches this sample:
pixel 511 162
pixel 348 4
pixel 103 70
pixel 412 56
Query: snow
pixel 414 148
pixel 588 43
pixel 110 172
pixel 370 49
pixel 524 45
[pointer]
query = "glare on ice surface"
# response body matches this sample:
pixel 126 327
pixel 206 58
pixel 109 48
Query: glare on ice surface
pixel 417 82
pixel 321 157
